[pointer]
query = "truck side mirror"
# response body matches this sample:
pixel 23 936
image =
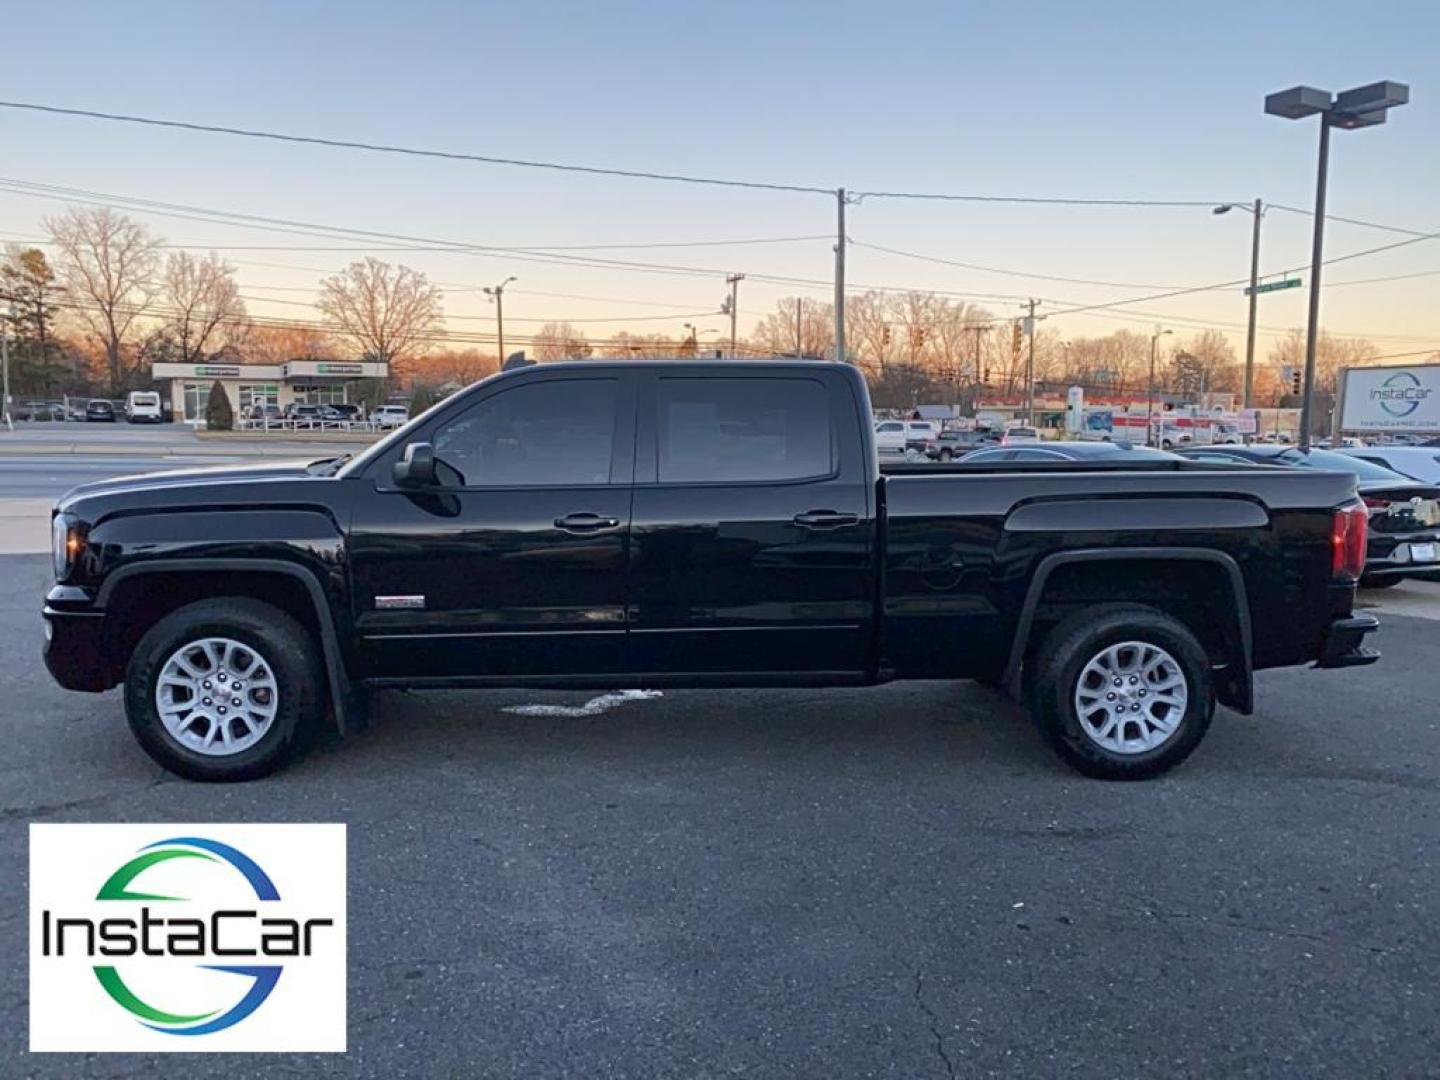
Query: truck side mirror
pixel 416 467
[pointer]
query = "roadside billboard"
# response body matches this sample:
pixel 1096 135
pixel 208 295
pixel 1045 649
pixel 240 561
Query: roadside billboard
pixel 1390 399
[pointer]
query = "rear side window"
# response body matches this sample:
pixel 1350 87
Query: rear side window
pixel 715 430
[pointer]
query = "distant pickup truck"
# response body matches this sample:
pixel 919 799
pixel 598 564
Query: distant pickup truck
pixel 674 524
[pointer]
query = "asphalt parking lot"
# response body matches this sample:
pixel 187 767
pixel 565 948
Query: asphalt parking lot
pixel 892 882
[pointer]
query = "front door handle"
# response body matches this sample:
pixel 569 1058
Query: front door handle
pixel 825 519
pixel 586 522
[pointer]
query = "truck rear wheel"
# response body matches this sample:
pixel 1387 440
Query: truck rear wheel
pixel 224 689
pixel 1122 692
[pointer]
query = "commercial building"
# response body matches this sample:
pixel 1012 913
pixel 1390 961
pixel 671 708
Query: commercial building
pixel 186 387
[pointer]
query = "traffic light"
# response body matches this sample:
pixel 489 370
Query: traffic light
pixel 885 334
pixel 1016 337
pixel 1295 381
pixel 986 379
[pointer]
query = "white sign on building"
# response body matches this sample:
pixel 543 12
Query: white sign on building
pixel 1390 399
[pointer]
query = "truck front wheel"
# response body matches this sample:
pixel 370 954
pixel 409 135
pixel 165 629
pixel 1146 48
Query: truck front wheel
pixel 1122 692
pixel 224 689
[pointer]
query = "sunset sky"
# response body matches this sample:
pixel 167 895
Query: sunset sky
pixel 1146 101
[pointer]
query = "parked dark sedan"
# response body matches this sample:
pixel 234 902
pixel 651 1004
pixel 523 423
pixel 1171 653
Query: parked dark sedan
pixel 1404 513
pixel 100 410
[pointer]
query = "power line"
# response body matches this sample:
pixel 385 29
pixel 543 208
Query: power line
pixel 1349 220
pixel 409 151
pixel 1009 273
pixel 634 174
pixel 1048 200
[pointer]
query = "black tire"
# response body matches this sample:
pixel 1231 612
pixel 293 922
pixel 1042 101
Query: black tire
pixel 282 643
pixel 1380 582
pixel 1059 662
pixel 946 455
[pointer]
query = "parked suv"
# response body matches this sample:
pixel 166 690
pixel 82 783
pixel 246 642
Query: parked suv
pixel 99 409
pixel 390 416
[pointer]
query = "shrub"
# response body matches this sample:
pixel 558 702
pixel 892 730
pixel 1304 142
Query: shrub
pixel 219 416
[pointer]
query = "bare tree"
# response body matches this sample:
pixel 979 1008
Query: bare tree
pixel 107 263
pixel 1331 354
pixel 806 324
pixel 203 298
pixel 276 344
pixel 626 346
pixel 868 330
pixel 389 313
pixel 560 341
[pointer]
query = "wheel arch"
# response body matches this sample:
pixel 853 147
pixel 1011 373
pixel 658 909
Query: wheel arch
pixel 312 609
pixel 1235 688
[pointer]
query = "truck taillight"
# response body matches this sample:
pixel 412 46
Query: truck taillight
pixel 1347 540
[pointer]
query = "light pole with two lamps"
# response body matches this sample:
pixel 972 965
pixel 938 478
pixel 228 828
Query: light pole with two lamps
pixel 1364 106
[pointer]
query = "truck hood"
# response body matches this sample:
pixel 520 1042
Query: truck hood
pixel 202 476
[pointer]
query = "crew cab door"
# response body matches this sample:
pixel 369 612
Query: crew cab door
pixel 753 533
pixel 513 565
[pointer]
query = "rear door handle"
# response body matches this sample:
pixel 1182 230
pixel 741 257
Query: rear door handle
pixel 825 519
pixel 586 522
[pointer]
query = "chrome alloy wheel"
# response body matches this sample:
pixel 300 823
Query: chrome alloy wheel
pixel 1131 697
pixel 216 696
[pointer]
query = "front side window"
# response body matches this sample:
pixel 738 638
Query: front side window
pixel 545 433
pixel 755 430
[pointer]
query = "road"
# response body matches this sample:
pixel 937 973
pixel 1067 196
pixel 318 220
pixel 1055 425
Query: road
pixel 893 882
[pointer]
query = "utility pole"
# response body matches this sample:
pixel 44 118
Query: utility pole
pixel 840 276
pixel 1254 297
pixel 734 282
pixel 497 294
pixel 799 338
pixel 5 367
pixel 977 331
pixel 1032 304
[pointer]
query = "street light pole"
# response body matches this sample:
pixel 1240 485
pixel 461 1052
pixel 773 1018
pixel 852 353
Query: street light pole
pixel 1030 364
pixel 1317 248
pixel 1364 106
pixel 1258 212
pixel 497 294
pixel 734 282
pixel 1150 394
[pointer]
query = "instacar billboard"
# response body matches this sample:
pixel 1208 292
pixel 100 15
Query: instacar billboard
pixel 1390 398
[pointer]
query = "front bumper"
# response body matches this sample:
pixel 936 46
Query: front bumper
pixel 1343 645
pixel 75 649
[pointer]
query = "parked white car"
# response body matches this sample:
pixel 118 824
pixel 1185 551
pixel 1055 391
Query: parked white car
pixel 390 416
pixel 1416 462
pixel 143 407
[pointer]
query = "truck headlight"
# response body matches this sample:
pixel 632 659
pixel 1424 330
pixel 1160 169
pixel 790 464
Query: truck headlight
pixel 67 541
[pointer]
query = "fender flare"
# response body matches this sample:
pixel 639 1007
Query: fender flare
pixel 349 713
pixel 1245 677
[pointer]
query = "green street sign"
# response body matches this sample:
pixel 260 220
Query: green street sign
pixel 1275 286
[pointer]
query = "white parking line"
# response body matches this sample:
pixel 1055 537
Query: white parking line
pixel 594 707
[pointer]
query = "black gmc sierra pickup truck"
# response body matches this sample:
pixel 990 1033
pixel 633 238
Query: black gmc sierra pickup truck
pixel 604 525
